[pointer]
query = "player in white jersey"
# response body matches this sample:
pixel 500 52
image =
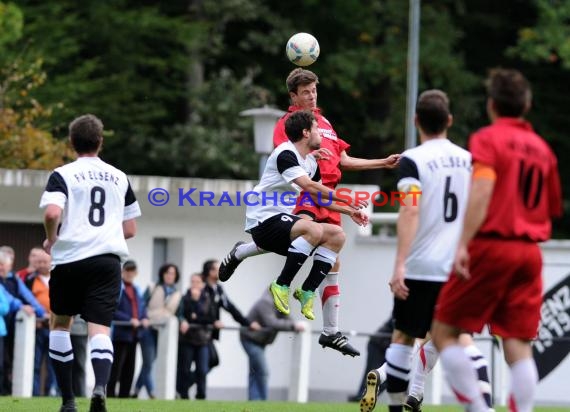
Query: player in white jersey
pixel 427 230
pixel 272 225
pixel 90 210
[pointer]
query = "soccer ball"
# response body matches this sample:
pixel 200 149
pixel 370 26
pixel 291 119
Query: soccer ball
pixel 302 49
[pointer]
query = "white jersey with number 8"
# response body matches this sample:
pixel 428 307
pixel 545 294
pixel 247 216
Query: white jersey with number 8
pixel 96 198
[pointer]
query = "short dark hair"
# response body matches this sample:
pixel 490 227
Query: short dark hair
pixel 297 122
pixel 432 111
pixel 86 134
pixel 129 265
pixel 510 91
pixel 164 268
pixel 300 77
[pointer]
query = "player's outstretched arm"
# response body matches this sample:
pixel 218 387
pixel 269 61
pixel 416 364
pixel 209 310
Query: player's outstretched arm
pixel 354 163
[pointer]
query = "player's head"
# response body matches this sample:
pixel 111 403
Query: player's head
pixel 168 274
pixel 302 88
pixel 302 124
pixel 86 134
pixel 432 113
pixel 509 93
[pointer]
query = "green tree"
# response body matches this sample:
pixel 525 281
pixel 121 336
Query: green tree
pixel 24 141
pixel 549 39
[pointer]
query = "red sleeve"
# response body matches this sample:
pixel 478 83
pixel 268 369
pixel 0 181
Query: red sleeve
pixel 342 145
pixel 279 135
pixel 482 148
pixel 554 191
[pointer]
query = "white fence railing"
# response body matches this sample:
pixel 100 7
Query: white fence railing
pixel 165 363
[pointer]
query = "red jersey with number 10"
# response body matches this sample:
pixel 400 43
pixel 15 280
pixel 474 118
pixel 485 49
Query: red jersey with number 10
pixel 330 169
pixel 527 191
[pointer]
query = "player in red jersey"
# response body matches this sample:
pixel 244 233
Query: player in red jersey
pixel 302 88
pixel 514 195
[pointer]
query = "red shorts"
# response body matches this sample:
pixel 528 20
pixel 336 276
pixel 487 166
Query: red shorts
pixel 505 290
pixel 318 213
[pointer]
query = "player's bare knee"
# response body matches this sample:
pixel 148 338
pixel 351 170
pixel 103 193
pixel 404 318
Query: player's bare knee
pixel 60 322
pixel 335 235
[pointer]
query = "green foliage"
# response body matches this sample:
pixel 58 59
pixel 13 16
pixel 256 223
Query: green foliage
pixel 549 39
pixel 216 140
pixel 11 23
pixel 25 141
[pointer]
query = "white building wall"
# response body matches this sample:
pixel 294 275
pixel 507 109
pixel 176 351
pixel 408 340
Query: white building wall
pixel 209 232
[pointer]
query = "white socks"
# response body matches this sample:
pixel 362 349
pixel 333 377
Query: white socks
pixel 524 378
pixel 330 299
pixel 399 364
pixel 248 250
pixel 462 378
pixel 428 357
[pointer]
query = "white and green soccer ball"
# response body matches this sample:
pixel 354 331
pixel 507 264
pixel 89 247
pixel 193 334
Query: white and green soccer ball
pixel 302 49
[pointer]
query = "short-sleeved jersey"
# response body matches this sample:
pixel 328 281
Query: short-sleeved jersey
pixel 527 189
pixel 276 192
pixel 96 198
pixel 330 170
pixel 442 172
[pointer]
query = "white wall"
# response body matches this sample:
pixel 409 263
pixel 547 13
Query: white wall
pixel 209 232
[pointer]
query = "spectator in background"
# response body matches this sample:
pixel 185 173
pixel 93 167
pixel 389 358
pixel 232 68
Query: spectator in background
pixel 38 283
pixel 8 250
pixel 197 316
pixel 31 268
pixel 255 341
pixel 4 309
pixel 125 337
pixel 220 299
pixel 163 303
pixel 23 299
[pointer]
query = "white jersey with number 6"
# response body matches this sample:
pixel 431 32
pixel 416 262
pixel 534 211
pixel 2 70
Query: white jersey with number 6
pixel 96 198
pixel 441 170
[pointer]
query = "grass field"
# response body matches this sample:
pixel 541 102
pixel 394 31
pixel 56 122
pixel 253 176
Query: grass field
pixel 129 405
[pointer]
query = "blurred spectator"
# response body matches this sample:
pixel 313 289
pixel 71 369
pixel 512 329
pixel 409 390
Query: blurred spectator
pixel 25 300
pixel 9 250
pixel 78 335
pixel 125 337
pixel 255 341
pixel 197 316
pixel 31 268
pixel 376 356
pixel 38 283
pixel 210 274
pixel 163 303
pixel 4 309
